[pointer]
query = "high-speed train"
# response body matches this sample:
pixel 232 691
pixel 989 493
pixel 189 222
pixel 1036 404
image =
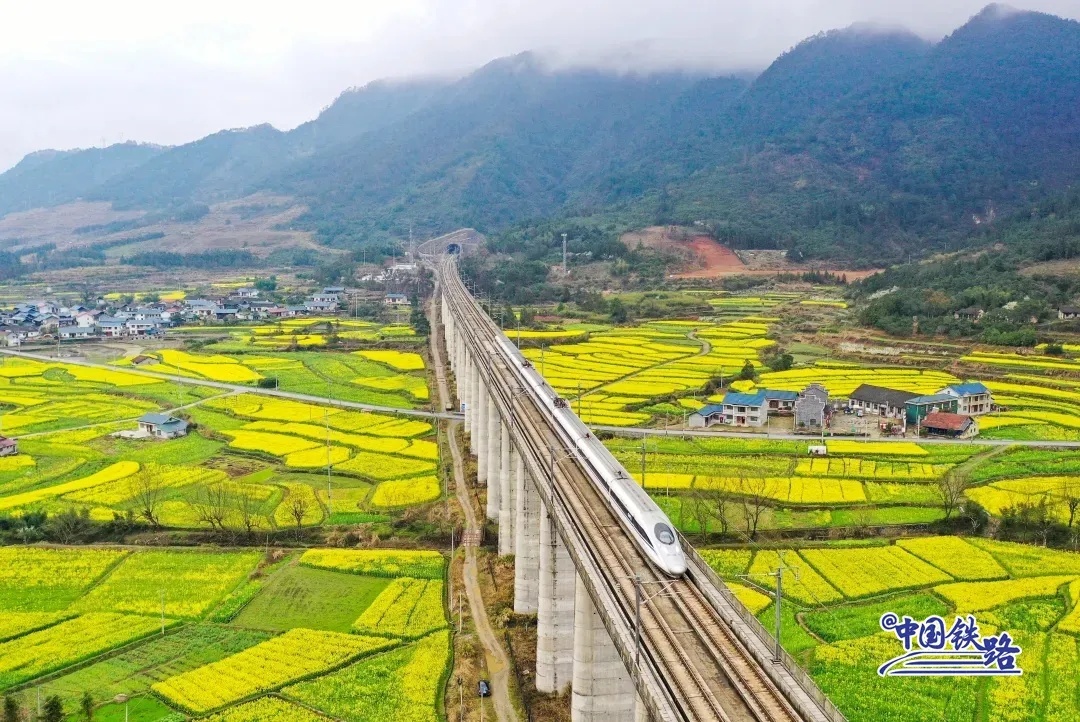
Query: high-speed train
pixel 650 527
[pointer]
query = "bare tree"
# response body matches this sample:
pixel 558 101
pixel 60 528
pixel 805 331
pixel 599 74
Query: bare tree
pixel 247 511
pixel 149 488
pixel 721 510
pixel 756 493
pixel 700 510
pixel 950 490
pixel 1071 496
pixel 211 505
pixel 298 508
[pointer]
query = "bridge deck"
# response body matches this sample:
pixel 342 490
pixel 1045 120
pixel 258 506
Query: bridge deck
pixel 709 673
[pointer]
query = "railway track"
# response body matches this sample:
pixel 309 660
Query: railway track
pixel 708 673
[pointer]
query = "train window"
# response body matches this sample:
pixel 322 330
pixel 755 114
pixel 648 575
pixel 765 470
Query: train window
pixel 664 534
pixel 640 531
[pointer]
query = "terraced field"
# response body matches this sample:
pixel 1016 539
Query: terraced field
pixel 252 462
pixel 384 377
pixel 835 596
pixel 105 633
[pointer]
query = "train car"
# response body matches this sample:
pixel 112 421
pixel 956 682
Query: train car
pixel 649 525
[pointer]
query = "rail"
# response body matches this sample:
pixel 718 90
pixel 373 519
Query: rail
pixel 676 673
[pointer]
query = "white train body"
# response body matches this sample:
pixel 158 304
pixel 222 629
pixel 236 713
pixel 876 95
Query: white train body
pixel 648 524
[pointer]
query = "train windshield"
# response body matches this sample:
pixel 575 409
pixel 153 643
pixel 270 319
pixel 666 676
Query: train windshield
pixel 664 534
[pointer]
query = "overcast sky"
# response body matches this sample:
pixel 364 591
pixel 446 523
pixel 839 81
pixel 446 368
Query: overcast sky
pixel 78 74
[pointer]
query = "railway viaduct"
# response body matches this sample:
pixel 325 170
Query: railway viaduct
pixel 630 642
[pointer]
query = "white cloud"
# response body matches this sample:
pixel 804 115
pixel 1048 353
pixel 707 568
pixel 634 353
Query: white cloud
pixel 75 74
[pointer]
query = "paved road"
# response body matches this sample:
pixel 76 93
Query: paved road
pixel 238 387
pixel 638 432
pixel 496 661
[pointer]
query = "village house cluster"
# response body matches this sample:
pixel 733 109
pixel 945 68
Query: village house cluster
pixel 41 320
pixel 950 412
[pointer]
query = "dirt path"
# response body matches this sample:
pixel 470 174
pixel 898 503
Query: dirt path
pixel 495 659
pixel 125 421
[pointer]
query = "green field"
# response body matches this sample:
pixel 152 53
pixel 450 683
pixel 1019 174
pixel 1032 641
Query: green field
pixel 106 640
pixel 835 596
pixel 313 598
pixel 249 462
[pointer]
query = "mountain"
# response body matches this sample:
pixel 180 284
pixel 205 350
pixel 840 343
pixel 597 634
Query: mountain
pixel 361 110
pixel 214 168
pixel 983 122
pixel 867 144
pixel 50 177
pixel 510 141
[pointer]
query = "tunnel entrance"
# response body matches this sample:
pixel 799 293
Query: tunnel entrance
pixel 453 249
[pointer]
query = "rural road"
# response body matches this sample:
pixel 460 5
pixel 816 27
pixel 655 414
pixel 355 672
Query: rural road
pixel 636 432
pixel 237 387
pixel 496 661
pixel 453 416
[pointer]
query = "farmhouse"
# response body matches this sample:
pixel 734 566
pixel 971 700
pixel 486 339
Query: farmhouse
pixel 809 412
pixel 781 401
pixel 396 299
pixel 162 426
pixel 972 398
pixel 8 447
pixel 110 327
pixel 919 407
pixel 745 409
pixel 969 314
pixel 1068 312
pixel 944 423
pixel 707 416
pixel 880 400
pixel 75 332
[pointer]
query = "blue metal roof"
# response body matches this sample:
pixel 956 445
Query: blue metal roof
pixel 737 399
pixel 781 395
pixel 970 389
pixel 711 409
pixel 932 399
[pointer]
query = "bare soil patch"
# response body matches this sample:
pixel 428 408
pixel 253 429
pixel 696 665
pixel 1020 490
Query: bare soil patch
pixel 55 225
pixel 259 223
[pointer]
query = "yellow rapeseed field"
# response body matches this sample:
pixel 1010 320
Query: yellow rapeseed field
pixel 119 470
pixel 863 571
pixel 955 557
pixel 275 444
pixel 977 596
pixel 297 654
pixel 398 360
pixel 378 562
pixel 405 492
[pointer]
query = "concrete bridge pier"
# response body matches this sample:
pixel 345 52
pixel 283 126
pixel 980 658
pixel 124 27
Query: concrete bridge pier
pixel 494 459
pixel 483 439
pixel 555 614
pixel 526 541
pixel 506 491
pixel 603 690
pixel 478 406
pixel 641 713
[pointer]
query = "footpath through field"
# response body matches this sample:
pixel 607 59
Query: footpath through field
pixel 237 387
pixel 498 665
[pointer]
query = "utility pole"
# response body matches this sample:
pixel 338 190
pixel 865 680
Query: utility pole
pixel 779 620
pixel 326 420
pixel 637 619
pixel 643 438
